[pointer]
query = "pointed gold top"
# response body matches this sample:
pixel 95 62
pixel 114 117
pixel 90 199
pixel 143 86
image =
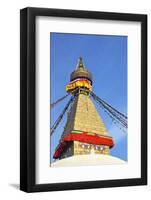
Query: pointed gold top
pixel 81 71
pixel 80 63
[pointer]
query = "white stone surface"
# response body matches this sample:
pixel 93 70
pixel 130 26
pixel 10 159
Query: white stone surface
pixel 87 160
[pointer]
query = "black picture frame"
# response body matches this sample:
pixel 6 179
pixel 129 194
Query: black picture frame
pixel 28 99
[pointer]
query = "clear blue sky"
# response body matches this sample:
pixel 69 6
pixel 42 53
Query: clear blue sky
pixel 105 56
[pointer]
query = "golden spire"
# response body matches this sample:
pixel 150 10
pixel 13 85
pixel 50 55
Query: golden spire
pixel 81 71
pixel 80 63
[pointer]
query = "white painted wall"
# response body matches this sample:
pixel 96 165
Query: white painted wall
pixel 9 98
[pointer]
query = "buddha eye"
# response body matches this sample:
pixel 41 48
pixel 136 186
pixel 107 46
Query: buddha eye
pixel 85 146
pixel 99 148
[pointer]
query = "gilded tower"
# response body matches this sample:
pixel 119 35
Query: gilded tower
pixel 84 132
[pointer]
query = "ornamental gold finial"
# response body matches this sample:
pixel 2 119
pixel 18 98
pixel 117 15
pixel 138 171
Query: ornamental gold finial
pixel 80 62
pixel 80 71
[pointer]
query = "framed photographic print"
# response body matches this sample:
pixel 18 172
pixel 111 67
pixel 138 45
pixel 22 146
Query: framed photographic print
pixel 83 99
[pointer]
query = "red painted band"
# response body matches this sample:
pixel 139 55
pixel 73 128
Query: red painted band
pixel 85 138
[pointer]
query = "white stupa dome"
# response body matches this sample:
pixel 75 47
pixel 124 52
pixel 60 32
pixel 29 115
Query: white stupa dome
pixel 87 160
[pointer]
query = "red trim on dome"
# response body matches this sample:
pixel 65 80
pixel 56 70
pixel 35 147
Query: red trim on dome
pixel 84 137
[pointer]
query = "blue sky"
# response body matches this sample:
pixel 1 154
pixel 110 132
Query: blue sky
pixel 105 56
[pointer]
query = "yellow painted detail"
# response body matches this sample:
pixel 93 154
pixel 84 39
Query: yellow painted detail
pixel 79 83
